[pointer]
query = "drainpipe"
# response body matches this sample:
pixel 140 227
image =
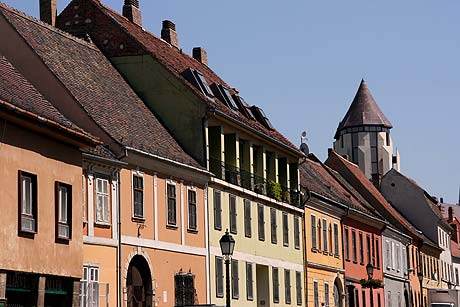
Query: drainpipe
pixel 304 234
pixel 408 273
pixel 119 289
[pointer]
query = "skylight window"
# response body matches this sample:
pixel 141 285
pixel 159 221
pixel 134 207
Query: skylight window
pixel 223 94
pixel 243 106
pixel 197 79
pixel 261 117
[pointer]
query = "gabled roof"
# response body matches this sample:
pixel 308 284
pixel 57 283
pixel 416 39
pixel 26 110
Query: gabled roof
pixel 353 174
pixel 98 87
pixel 139 41
pixel 19 95
pixel 316 177
pixel 363 111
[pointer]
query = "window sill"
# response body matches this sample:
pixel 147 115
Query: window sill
pixel 285 245
pixel 194 231
pixel 314 250
pixel 27 234
pixel 102 225
pixel 337 256
pixel 355 262
pixel 172 227
pixel 297 247
pixel 138 219
pixel 219 295
pixel 326 253
pixel 61 240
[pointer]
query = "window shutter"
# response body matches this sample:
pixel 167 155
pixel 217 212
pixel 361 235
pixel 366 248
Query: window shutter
pixel 233 220
pixel 273 225
pixel 217 211
pixel 275 278
pixel 247 218
pixel 296 232
pixel 285 230
pixel 313 232
pixel 235 280
pixel 336 239
pixel 298 284
pixel 261 223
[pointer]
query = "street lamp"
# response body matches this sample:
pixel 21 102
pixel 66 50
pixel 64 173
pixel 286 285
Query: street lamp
pixel 370 274
pixel 227 244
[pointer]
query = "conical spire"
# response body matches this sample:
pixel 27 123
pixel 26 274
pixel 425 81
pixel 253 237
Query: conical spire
pixel 363 111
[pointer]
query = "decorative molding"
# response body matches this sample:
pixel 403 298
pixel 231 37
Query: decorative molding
pixel 100 241
pixel 173 247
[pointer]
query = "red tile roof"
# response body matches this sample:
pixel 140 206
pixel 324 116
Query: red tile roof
pixel 16 91
pixel 353 174
pixel 138 41
pixel 98 87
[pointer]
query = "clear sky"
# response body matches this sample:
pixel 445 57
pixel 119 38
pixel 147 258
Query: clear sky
pixel 302 62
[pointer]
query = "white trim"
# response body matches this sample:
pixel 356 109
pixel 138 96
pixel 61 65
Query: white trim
pixel 185 249
pixel 114 196
pixel 100 241
pixel 182 212
pixel 206 235
pixel 262 260
pixel 155 205
pixel 90 192
pixel 139 174
pixel 256 196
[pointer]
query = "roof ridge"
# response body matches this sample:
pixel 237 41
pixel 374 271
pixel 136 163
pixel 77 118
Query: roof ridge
pixel 45 25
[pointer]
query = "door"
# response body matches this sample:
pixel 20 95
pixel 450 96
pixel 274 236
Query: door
pixel 263 286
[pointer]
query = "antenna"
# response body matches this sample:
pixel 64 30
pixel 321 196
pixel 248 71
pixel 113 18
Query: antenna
pixel 303 143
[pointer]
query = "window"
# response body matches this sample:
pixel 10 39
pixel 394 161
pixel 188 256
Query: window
pixel 261 117
pixel 171 193
pixel 261 222
pixel 223 94
pixel 364 297
pixel 273 225
pixel 392 251
pixel 361 250
pixel 197 79
pixel 374 153
pixel 249 282
pixel 325 235
pixel 398 257
pixel 232 204
pixel 138 196
pixel 298 287
pixel 388 299
pixel 368 246
pixel 296 232
pixel 28 202
pixel 356 297
pixel 353 244
pixel 388 254
pixel 83 198
pixel 377 247
pixel 355 147
pixel 184 289
pixel 63 211
pixel 326 294
pixel 336 239
pixel 379 301
pixel 313 232
pixel 276 289
pixel 192 218
pixel 219 277
pixel 235 280
pixel 373 251
pixel 315 294
pixel 217 211
pixel 89 287
pixel 102 201
pixel 346 242
pixel 287 286
pixel 285 230
pixel 247 218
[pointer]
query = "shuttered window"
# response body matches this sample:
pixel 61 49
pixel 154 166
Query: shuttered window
pixel 285 230
pixel 287 286
pixel 217 210
pixel 247 218
pixel 138 196
pixel 325 245
pixel 249 282
pixel 172 215
pixel 313 232
pixel 276 286
pixel 353 244
pixel 326 295
pixel 298 287
pixel 361 248
pixel 336 239
pixel 232 205
pixel 296 232
pixel 261 222
pixel 192 218
pixel 219 277
pixel 235 280
pixel 102 201
pixel 346 244
pixel 315 294
pixel 273 225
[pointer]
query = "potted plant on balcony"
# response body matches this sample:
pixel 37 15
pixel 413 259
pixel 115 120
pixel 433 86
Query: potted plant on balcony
pixel 274 190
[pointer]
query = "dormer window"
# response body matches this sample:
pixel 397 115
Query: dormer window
pixel 261 117
pixel 243 107
pixel 197 79
pixel 223 94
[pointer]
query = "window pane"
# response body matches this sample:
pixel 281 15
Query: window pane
pixel 249 281
pixel 313 232
pixel 217 211
pixel 233 228
pixel 325 245
pixel 261 221
pixel 336 239
pixel 285 230
pixel 26 195
pixel 287 286
pixel 235 279
pixel 62 204
pixel 273 225
pixel 298 286
pixel 276 294
pixel 296 232
pixel 219 277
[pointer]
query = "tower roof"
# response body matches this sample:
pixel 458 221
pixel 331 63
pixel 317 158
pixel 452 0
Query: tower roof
pixel 363 111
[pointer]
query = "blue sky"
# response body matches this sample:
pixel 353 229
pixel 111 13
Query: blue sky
pixel 302 62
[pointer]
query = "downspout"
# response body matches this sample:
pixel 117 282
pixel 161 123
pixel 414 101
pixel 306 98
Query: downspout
pixel 304 234
pixel 407 271
pixel 343 259
pixel 119 289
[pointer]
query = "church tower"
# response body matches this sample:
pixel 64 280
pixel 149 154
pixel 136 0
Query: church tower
pixel 363 136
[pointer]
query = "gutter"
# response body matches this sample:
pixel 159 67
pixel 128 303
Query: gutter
pixel 103 159
pixel 180 164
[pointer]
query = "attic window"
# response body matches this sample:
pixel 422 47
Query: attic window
pixel 243 106
pixel 197 79
pixel 261 117
pixel 223 94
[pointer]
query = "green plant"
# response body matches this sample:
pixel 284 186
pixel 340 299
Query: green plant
pixel 274 190
pixel 286 196
pixel 371 283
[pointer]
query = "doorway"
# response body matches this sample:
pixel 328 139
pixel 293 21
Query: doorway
pixel 139 283
pixel 263 286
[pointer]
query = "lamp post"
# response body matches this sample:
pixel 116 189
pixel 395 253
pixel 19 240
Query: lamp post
pixel 420 279
pixel 370 274
pixel 227 244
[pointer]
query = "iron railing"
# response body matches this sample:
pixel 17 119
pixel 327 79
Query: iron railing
pixel 250 181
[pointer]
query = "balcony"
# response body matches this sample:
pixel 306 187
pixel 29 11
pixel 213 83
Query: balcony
pixel 257 184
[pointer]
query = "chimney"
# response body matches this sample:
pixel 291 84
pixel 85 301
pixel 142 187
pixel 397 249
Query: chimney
pixel 442 200
pixel 200 55
pixel 376 178
pixel 451 215
pixel 48 11
pixel 169 34
pixel 132 12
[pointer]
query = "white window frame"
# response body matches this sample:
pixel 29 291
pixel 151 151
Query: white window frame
pixel 63 211
pixel 27 204
pixel 172 183
pixel 98 220
pixel 326 297
pixel 89 284
pixel 139 174
pixel 84 204
pixel 192 189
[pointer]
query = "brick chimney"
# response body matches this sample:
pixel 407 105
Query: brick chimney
pixel 169 34
pixel 132 12
pixel 200 55
pixel 450 215
pixel 48 11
